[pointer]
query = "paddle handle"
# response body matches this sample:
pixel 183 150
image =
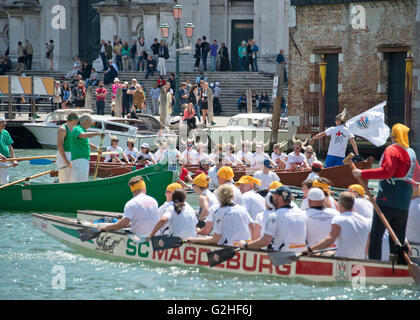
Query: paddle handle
pixel 26 179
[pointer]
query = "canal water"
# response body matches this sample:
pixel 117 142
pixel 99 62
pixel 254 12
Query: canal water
pixel 29 258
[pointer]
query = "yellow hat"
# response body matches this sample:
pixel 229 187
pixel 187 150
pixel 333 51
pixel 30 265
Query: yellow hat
pixel 323 186
pixel 174 186
pixel 249 180
pixel 358 188
pixel 400 133
pixel 138 186
pixel 201 181
pixel 226 173
pixel 275 184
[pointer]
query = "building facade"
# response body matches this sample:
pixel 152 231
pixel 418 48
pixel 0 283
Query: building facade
pixel 366 47
pixel 77 26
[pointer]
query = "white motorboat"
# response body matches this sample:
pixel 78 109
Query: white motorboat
pixel 145 129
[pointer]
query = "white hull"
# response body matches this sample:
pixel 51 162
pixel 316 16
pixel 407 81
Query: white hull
pixel 247 262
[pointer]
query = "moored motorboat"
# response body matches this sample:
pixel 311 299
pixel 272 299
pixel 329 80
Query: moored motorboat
pixel 102 194
pixel 117 244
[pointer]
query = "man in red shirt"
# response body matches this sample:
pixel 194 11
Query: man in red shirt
pixel 101 93
pixel 397 172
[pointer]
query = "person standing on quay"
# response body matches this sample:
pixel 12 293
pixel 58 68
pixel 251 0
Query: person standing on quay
pixel 29 54
pixel 101 93
pixel 213 53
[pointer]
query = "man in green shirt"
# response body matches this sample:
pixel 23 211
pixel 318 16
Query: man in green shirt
pixel 6 151
pixel 64 148
pixel 80 149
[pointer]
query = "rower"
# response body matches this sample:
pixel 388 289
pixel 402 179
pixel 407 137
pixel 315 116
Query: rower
pixel 316 169
pixel 278 156
pixel 165 229
pixel 361 205
pixel 225 176
pixel 261 218
pixel 230 159
pixel 64 148
pixel 244 154
pixel 340 136
pixel 285 228
pixel 232 222
pixel 318 217
pixel 142 162
pixel 217 152
pixel 349 231
pixel 396 173
pixel 145 152
pixel 115 148
pixel 204 167
pixel 6 151
pixel 141 211
pixel 131 151
pixel 190 156
pixel 306 187
pixel 296 160
pixel 201 148
pixel 259 156
pixel 184 176
pixel 266 175
pixel 213 172
pixel 80 149
pixel 324 184
pixel 162 151
pixel 252 201
pixel 179 216
pixel 206 198
pixel 310 155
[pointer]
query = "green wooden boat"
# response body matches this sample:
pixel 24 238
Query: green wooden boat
pixel 109 194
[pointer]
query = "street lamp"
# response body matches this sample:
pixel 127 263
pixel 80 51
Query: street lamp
pixel 177 38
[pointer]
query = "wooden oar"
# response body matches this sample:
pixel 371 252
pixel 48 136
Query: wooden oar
pixel 98 158
pixel 412 267
pixel 279 258
pixel 26 179
pixel 52 157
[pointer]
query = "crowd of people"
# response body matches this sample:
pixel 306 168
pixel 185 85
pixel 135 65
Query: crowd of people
pixel 248 56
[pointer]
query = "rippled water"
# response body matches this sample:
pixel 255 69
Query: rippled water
pixel 28 256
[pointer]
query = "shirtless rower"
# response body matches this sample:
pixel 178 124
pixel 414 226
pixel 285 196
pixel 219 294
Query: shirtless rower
pixel 64 148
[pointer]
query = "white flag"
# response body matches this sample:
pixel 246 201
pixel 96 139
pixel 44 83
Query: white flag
pixel 371 125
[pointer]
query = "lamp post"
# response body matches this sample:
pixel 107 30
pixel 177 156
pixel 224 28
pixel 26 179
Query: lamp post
pixel 177 38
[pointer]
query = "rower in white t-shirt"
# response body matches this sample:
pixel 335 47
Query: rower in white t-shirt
pixel 252 201
pixel 361 205
pixel 266 176
pixel 245 155
pixel 162 209
pixel 318 218
pixel 349 231
pixel 278 156
pixel 145 152
pixel 131 151
pixel 259 156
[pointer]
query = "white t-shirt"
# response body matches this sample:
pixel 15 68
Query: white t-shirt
pixel 258 159
pixel 214 184
pixel 232 223
pixel 246 155
pixel 351 243
pixel 364 207
pixel 313 176
pixel 132 153
pixel 287 226
pixel 112 149
pixel 253 203
pixel 266 179
pixel 232 159
pixel 166 229
pixel 413 222
pixel 148 156
pixel 237 195
pixel 191 156
pixel 276 157
pixel 182 224
pixel 142 211
pixel 210 197
pixel 261 219
pixel 312 159
pixel 318 224
pixel 340 136
pixel 298 160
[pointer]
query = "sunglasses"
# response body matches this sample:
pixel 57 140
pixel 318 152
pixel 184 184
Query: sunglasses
pixel 298 148
pixel 189 145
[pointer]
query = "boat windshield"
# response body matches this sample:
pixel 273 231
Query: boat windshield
pixel 256 123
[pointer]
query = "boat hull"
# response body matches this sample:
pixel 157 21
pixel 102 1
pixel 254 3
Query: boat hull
pixel 103 194
pixel 246 262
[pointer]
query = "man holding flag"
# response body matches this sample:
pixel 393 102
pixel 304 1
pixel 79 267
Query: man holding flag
pixel 340 136
pixel 398 172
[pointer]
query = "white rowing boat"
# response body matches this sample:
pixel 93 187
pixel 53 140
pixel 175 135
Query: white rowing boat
pixel 246 262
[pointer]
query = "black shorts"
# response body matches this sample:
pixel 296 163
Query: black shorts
pixel 21 60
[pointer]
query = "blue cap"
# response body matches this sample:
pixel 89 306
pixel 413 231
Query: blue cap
pixel 283 191
pixel 267 163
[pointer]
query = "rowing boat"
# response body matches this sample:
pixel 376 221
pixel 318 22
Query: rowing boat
pixel 103 194
pixel 340 176
pixel 117 244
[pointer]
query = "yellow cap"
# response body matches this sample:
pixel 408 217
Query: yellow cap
pixel 323 186
pixel 249 180
pixel 358 188
pixel 201 181
pixel 226 173
pixel 400 133
pixel 174 186
pixel 138 186
pixel 274 185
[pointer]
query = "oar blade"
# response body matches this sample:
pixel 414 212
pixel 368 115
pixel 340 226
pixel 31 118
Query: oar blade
pixel 220 256
pixel 88 234
pixel 160 243
pixel 415 272
pixel 279 258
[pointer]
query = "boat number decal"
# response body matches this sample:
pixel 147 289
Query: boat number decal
pixel 132 249
pixel 106 243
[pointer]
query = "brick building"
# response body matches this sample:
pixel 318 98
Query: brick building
pixel 365 46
